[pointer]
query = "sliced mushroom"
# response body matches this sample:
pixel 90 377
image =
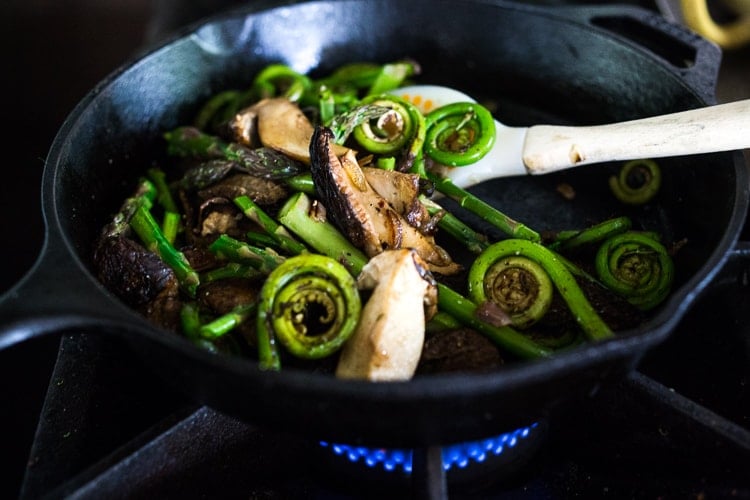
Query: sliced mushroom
pixel 244 127
pixel 133 273
pixel 281 125
pixel 401 191
pixel 365 217
pixel 389 337
pixel 262 191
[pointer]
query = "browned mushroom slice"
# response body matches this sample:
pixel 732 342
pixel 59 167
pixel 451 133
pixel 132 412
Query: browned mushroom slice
pixel 401 191
pixel 364 216
pixel 261 191
pixel 244 127
pixel 129 270
pixel 281 125
pixel 389 337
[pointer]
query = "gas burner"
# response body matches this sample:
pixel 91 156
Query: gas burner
pixel 495 457
pixel 455 456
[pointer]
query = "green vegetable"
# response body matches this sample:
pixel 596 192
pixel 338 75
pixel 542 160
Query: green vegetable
pixel 280 79
pixel 147 229
pixel 464 310
pixel 298 215
pixel 637 183
pixel 189 142
pixel 164 194
pixel 586 316
pixel 486 211
pixel 227 322
pixel 343 124
pixel 170 226
pixel 264 260
pixel 572 240
pixel 474 242
pixel 311 304
pixel 520 286
pixel 276 231
pixel 144 196
pixel 459 134
pixel 232 270
pixel 637 267
pixel 217 110
pixel 393 129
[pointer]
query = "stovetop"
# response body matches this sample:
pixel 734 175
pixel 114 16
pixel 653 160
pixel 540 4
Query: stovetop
pixel 678 427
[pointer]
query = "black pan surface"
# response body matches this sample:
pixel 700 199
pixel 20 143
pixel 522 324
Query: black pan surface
pixel 581 65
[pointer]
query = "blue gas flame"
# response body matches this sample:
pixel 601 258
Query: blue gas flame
pixel 456 455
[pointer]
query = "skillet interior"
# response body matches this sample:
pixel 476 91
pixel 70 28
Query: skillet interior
pixel 539 67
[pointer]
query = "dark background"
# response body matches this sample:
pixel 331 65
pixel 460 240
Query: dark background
pixel 54 51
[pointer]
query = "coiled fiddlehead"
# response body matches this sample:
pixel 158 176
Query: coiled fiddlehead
pixel 637 182
pixel 521 287
pixel 637 267
pixel 392 130
pixel 459 134
pixel 310 304
pixel 488 270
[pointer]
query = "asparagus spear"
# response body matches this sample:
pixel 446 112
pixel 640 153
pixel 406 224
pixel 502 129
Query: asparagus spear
pixel 297 216
pixel 190 142
pixel 164 194
pixel 264 260
pixel 452 225
pixel 227 322
pixel 146 227
pixel 144 195
pixel 275 230
pixel 489 213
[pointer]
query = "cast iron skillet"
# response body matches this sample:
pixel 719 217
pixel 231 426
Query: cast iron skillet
pixel 570 65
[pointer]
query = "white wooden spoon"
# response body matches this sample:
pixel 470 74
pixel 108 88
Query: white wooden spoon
pixel 541 149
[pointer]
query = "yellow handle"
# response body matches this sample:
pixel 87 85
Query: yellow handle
pixel 729 36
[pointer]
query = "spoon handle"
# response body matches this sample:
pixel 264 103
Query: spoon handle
pixel 711 129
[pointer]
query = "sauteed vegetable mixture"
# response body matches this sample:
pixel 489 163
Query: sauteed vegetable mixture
pixel 299 222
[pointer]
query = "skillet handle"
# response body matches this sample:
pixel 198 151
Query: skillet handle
pixel 693 58
pixel 55 295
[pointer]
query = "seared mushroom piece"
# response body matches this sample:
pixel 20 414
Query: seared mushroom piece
pixel 243 128
pixel 401 191
pixel 389 337
pixel 280 124
pixel 365 217
pixel 139 278
pixel 131 272
pixel 264 192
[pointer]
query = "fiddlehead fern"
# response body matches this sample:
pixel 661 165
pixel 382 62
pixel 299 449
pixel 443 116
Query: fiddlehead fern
pixel 488 272
pixel 637 182
pixel 459 134
pixel 310 304
pixel 637 267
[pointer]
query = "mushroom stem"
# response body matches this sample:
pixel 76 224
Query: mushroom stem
pixel 388 340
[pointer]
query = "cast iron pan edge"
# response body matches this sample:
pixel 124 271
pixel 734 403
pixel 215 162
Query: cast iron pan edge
pixel 454 407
